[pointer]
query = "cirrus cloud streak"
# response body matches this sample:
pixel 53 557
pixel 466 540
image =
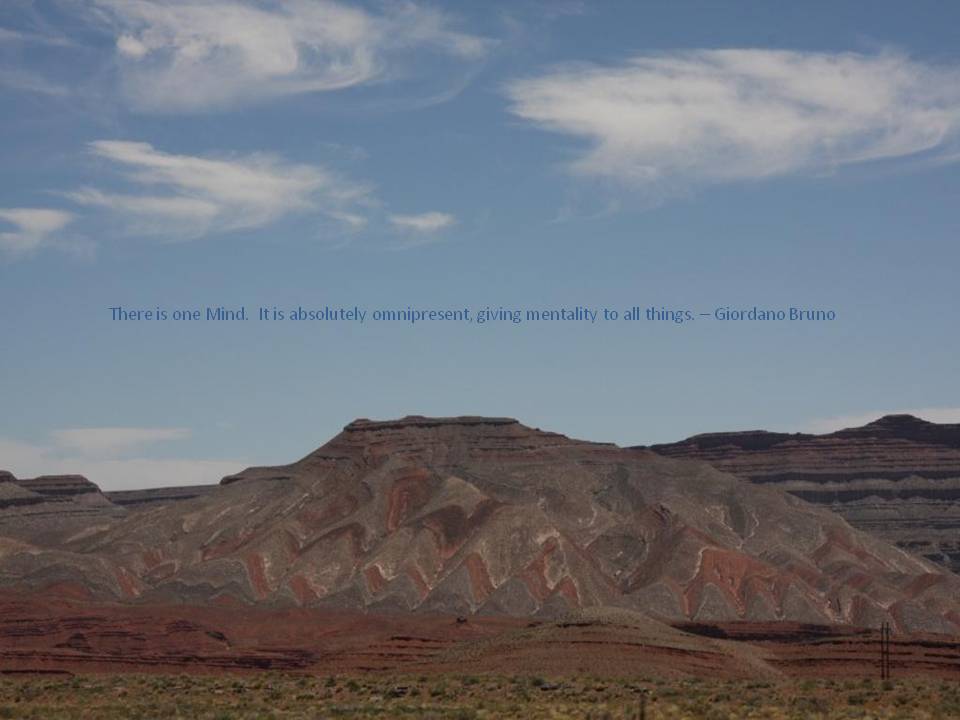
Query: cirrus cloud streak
pixel 110 441
pixel 185 196
pixel 198 55
pixel 32 227
pixel 428 222
pixel 709 116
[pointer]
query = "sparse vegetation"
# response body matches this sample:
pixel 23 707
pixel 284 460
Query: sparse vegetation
pixel 302 697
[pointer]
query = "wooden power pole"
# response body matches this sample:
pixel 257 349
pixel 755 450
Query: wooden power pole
pixel 885 651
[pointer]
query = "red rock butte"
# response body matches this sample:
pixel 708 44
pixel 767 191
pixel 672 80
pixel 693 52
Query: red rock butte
pixel 472 515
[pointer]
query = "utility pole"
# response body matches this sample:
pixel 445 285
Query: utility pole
pixel 885 651
pixel 643 703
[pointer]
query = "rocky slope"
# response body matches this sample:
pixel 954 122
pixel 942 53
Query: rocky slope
pixel 897 477
pixel 484 515
pixel 40 518
pixel 156 496
pixel 78 495
pixel 47 510
pixel 13 495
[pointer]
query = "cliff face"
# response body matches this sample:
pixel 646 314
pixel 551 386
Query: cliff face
pixel 59 486
pixel 897 477
pixel 485 515
pixel 13 495
pixel 45 510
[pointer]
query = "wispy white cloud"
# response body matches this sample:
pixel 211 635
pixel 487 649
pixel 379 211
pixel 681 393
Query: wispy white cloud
pixel 11 36
pixel 110 441
pixel 677 119
pixel 187 196
pixel 194 55
pixel 13 74
pixel 14 78
pixel 32 227
pixel 428 222
pixel 839 422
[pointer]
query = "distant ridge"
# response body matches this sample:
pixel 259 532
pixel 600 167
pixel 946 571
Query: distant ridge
pixel 897 477
pixel 472 515
pixel 76 494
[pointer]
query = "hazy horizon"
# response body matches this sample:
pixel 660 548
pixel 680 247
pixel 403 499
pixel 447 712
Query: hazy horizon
pixel 115 477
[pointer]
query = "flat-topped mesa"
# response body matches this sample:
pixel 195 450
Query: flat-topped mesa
pixel 906 427
pixel 894 447
pixel 902 426
pixel 743 439
pixel 897 477
pixel 435 440
pixel 421 421
pixel 898 426
pixel 44 511
pixel 466 516
pixel 438 440
pixel 59 485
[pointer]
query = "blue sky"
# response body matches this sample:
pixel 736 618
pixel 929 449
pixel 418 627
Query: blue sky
pixel 525 154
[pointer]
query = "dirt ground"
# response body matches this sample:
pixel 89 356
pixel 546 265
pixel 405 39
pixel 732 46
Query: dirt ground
pixel 276 696
pixel 70 659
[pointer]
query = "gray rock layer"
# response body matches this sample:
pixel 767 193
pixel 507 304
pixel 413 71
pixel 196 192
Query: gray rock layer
pixel 897 477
